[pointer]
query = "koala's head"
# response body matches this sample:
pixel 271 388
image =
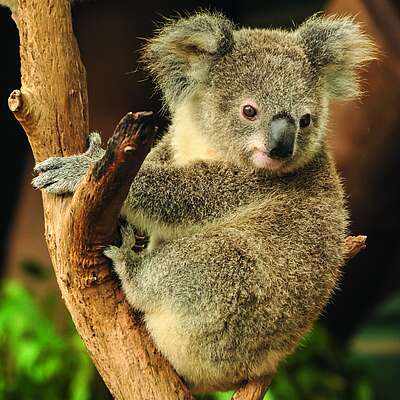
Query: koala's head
pixel 259 95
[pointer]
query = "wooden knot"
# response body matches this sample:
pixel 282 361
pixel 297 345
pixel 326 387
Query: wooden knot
pixel 15 101
pixel 21 103
pixel 353 245
pixel 94 277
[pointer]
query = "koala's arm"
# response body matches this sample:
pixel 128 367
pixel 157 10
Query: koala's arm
pixel 161 191
pixel 177 195
pixel 62 175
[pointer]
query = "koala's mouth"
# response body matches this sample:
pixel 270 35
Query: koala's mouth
pixel 261 160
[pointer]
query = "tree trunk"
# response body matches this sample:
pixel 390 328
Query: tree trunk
pixel 52 107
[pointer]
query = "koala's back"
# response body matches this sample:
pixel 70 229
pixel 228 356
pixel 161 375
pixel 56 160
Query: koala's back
pixel 258 279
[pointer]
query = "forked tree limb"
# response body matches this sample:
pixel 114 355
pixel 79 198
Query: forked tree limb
pixel 136 368
pixel 256 390
pixel 52 107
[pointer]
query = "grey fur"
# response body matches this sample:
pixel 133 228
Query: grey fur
pixel 180 56
pixel 335 47
pixel 72 168
pixel 243 257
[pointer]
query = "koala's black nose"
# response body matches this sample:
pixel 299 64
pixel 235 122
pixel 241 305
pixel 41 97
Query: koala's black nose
pixel 281 138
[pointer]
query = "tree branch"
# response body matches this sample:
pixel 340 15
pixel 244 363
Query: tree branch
pixel 123 352
pixel 96 205
pixel 52 107
pixel 254 390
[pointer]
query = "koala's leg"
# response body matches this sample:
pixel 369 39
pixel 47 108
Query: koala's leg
pixel 197 292
pixel 125 263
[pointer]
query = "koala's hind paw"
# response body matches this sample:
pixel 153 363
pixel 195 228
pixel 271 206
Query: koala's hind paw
pixel 117 256
pixel 123 257
pixel 114 253
pixel 127 245
pixel 128 238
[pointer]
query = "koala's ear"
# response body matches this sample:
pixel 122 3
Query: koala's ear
pixel 336 47
pixel 180 55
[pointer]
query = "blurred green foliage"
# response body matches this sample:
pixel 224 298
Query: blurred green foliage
pixel 40 360
pixel 37 360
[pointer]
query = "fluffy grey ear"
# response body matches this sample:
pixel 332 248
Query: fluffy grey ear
pixel 180 55
pixel 336 47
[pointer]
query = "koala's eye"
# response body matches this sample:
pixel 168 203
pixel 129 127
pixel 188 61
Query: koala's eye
pixel 305 121
pixel 249 112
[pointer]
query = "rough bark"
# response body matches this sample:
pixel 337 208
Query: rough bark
pixel 254 390
pixel 52 107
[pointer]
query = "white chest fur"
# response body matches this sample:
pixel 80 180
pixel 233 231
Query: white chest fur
pixel 189 144
pixel 188 141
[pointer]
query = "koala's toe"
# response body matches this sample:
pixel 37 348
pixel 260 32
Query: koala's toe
pixel 59 187
pixel 49 164
pixel 42 182
pixel 128 237
pixel 114 253
pixel 94 143
pixel 36 183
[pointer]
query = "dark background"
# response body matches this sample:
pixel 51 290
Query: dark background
pixel 364 135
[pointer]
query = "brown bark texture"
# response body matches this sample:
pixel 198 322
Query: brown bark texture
pixel 52 107
pixel 254 390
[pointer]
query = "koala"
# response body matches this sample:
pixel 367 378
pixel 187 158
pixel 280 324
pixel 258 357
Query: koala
pixel 244 209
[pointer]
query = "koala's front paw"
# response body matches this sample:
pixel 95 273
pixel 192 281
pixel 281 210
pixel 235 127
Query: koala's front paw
pixel 62 175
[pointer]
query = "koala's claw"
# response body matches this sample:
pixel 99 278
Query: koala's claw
pixel 94 145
